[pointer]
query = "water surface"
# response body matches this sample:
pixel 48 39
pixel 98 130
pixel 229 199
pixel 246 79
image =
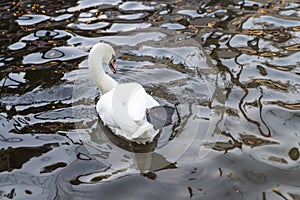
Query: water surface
pixel 231 67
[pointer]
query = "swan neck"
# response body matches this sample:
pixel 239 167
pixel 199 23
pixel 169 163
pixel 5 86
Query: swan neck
pixel 103 81
pixel 106 83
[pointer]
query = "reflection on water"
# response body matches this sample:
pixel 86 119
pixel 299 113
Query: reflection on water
pixel 231 67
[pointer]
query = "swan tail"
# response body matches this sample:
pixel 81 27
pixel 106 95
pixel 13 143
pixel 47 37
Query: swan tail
pixel 144 133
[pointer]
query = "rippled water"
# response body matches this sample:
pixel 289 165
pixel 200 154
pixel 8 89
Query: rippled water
pixel 231 67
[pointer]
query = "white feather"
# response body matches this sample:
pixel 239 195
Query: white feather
pixel 122 107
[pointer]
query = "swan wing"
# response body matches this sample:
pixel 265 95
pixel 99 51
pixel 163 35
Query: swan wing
pixel 105 109
pixel 124 108
pixel 129 105
pixel 139 102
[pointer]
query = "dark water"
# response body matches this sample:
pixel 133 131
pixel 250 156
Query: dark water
pixel 231 67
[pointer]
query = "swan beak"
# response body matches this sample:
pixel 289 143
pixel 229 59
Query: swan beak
pixel 112 65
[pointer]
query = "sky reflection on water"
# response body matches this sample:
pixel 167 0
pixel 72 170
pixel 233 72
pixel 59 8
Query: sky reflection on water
pixel 231 66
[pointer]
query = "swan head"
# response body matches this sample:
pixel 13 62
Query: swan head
pixel 107 52
pixel 110 57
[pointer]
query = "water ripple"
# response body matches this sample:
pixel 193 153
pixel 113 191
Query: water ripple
pixel 230 67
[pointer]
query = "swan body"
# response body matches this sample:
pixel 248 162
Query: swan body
pixel 122 107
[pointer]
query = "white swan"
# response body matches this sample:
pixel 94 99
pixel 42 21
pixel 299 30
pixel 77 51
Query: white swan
pixel 122 107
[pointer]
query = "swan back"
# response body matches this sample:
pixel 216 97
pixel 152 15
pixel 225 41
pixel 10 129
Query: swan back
pixel 126 112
